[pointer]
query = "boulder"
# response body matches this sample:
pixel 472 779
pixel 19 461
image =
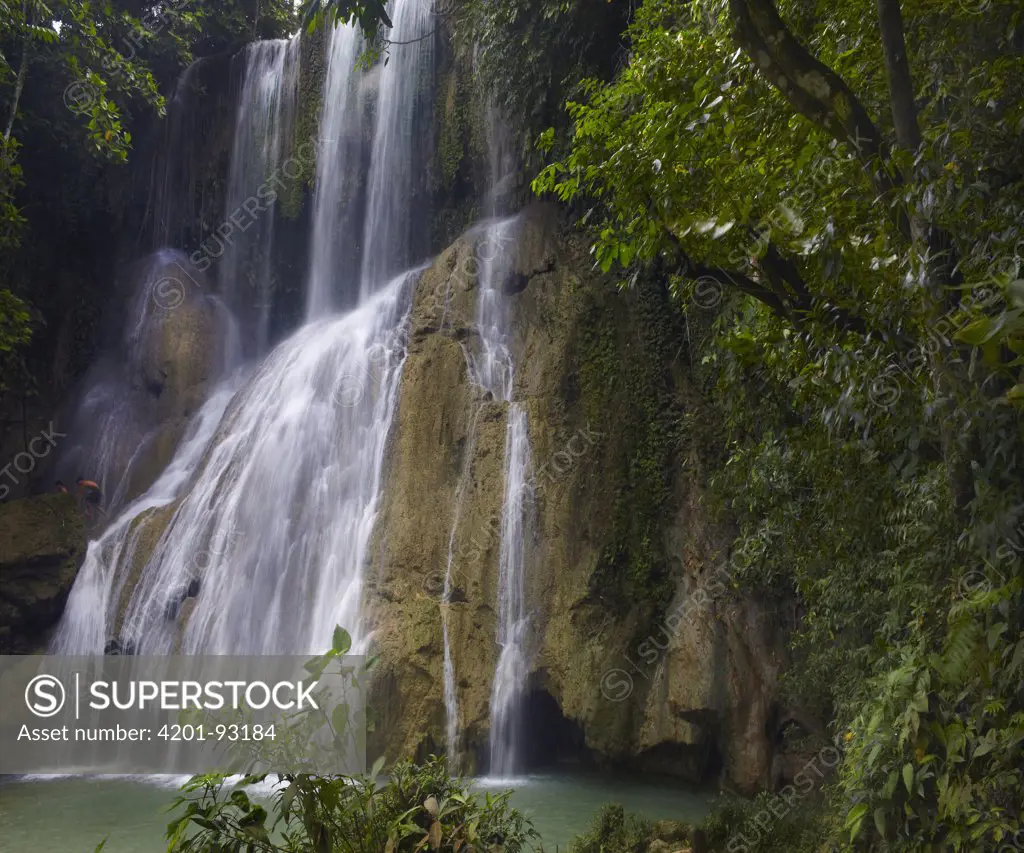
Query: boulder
pixel 180 354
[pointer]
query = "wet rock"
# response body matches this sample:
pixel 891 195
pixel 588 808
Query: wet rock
pixel 42 544
pixel 117 646
pixel 701 708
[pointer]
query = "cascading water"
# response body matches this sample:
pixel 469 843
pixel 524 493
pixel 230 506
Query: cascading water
pixel 396 160
pixel 334 245
pixel 513 619
pixel 285 503
pixel 273 529
pixel 492 369
pixel 495 371
pixel 266 547
pixel 264 126
pixel 491 366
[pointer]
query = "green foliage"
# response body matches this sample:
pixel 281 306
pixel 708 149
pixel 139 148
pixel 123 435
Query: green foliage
pixel 752 826
pixel 87 46
pixel 613 831
pixel 12 222
pixel 864 364
pixel 14 322
pixel 370 14
pixel 934 761
pixel 418 807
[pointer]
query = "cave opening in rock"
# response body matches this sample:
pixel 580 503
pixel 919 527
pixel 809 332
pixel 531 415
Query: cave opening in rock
pixel 549 738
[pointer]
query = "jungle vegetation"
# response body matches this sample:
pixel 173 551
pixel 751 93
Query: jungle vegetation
pixel 841 185
pixel 841 188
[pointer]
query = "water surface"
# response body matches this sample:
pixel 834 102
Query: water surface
pixel 72 815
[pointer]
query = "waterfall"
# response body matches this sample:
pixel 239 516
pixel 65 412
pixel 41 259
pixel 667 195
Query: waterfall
pixel 513 620
pixel 268 509
pixel 396 163
pixel 495 371
pixel 264 128
pixel 492 368
pixel 285 504
pixel 334 245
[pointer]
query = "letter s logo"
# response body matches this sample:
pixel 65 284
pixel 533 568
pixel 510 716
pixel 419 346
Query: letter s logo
pixel 44 696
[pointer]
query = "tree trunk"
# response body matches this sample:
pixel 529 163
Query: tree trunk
pixel 901 86
pixel 18 87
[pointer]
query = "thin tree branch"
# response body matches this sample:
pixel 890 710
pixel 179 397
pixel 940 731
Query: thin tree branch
pixel 19 85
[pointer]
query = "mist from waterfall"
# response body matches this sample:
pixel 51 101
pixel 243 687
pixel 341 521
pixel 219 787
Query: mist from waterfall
pixel 271 512
pixel 117 415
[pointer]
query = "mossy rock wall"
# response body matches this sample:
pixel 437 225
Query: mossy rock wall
pixel 621 538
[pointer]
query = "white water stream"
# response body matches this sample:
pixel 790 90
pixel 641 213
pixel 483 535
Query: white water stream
pixel 276 493
pixel 264 128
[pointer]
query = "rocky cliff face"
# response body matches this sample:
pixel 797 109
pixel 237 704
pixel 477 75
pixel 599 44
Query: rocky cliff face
pixel 42 542
pixel 641 652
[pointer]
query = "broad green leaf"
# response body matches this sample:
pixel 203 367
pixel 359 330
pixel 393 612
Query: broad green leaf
pixel 341 641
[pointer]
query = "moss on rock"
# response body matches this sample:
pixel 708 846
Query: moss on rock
pixel 312 71
pixel 627 369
